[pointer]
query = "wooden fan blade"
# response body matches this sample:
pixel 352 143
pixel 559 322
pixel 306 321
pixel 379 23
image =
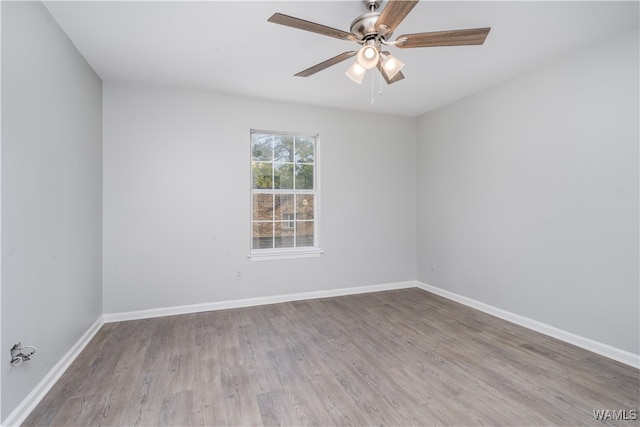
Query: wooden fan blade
pixel 393 14
pixel 301 24
pixel 399 76
pixel 473 36
pixel 326 64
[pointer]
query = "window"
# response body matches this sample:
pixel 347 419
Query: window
pixel 284 194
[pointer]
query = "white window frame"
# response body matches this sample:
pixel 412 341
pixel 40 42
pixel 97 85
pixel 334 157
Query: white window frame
pixel 290 252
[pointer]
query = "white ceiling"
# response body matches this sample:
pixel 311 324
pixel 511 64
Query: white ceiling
pixel 229 47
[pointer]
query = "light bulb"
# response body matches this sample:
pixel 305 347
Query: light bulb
pixel 369 52
pixel 389 64
pixel 368 57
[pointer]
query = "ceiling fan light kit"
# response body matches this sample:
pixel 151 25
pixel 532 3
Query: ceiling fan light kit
pixel 356 72
pixel 371 30
pixel 391 65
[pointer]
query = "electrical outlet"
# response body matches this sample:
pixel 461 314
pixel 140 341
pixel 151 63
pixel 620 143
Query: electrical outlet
pixel 21 353
pixel 238 275
pixel 433 265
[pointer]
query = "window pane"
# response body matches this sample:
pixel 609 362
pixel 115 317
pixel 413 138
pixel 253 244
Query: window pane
pixel 261 147
pixel 304 233
pixel 283 175
pixel 284 207
pixel 283 148
pixel 262 235
pixel 283 235
pixel 304 177
pixel 262 207
pixel 304 149
pixel 288 221
pixel 305 206
pixel 262 174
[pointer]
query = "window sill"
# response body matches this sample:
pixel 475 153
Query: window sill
pixel 292 254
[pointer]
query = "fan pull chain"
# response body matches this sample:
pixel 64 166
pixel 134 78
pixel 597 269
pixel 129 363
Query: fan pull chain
pixel 373 77
pixel 373 100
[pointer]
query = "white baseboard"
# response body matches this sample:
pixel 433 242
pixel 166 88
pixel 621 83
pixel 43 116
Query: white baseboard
pixel 571 338
pixel 250 302
pixel 28 404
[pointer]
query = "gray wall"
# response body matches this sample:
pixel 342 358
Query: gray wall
pixel 528 195
pixel 177 194
pixel 51 195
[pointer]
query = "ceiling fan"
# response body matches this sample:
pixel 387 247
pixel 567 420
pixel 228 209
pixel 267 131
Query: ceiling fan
pixel 372 31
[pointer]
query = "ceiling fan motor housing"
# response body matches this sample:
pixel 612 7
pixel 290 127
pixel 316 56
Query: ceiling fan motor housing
pixel 364 26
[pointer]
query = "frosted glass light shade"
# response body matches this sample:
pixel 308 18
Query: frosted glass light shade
pixel 368 57
pixel 391 66
pixel 356 72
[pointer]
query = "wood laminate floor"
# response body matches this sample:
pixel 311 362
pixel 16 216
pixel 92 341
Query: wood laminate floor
pixel 404 357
